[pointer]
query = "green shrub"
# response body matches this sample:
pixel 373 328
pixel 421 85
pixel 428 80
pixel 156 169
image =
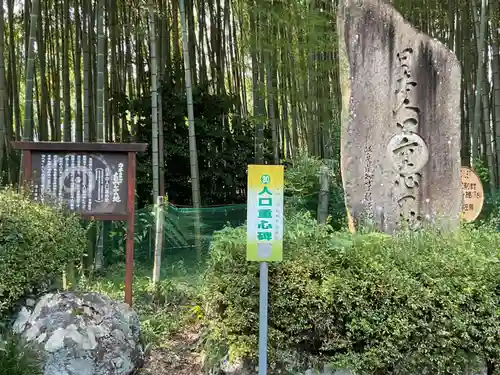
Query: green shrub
pixel 15 357
pixel 491 210
pixel 302 188
pixel 371 302
pixel 36 243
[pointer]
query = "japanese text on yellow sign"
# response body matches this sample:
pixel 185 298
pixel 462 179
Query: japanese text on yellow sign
pixel 265 213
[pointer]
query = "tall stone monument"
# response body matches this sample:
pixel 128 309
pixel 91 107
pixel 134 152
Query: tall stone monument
pixel 400 153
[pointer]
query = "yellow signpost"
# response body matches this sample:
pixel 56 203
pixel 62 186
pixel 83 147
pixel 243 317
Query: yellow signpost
pixel 264 235
pixel 265 213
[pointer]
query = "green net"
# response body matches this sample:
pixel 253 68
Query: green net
pixel 179 242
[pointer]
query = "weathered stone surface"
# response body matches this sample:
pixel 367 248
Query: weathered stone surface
pixel 400 153
pixel 83 334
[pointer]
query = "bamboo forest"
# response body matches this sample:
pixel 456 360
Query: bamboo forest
pixel 375 125
pixel 264 81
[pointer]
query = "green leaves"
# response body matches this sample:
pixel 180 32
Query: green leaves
pixel 379 304
pixel 16 358
pixel 36 243
pixel 302 188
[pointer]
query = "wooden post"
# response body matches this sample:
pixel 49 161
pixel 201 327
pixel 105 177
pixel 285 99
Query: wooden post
pixel 159 213
pixel 323 194
pixel 129 256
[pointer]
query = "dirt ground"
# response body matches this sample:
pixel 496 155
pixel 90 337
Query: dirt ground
pixel 177 355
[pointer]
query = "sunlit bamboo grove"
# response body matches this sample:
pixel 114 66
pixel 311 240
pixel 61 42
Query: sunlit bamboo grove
pixel 71 71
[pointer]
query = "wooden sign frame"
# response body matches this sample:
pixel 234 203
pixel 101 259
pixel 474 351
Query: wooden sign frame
pixel 128 149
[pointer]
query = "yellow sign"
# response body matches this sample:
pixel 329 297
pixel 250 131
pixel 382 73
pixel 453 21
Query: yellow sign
pixel 472 194
pixel 265 213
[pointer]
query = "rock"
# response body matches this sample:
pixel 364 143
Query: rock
pixel 236 368
pixel 82 334
pixel 400 149
pixel 22 319
pixel 329 371
pixel 343 372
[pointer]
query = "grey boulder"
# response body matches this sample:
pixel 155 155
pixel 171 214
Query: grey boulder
pixel 82 334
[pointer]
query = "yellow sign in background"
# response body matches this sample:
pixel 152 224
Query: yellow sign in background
pixel 265 213
pixel 472 194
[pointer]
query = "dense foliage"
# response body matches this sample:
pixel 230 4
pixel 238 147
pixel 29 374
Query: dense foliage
pixel 225 144
pixel 371 302
pixel 36 243
pixel 16 358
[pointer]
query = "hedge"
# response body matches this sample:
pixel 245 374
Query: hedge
pixel 36 243
pixel 410 304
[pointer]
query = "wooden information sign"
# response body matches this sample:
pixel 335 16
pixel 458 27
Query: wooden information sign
pixel 96 180
pixel 472 194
